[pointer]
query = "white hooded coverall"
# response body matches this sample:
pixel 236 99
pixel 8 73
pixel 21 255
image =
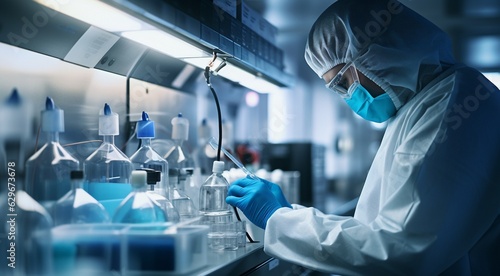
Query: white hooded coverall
pixel 431 201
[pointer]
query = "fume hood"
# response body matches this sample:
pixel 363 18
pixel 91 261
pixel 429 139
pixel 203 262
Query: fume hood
pixel 161 42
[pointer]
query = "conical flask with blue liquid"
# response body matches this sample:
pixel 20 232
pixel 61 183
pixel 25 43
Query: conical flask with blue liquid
pixel 138 207
pixel 107 170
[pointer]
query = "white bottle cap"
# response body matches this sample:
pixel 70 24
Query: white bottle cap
pixel 52 117
pixel 218 167
pixel 180 128
pixel 108 122
pixel 204 130
pixel 139 179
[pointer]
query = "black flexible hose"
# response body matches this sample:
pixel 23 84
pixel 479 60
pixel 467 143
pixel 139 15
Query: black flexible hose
pixel 219 117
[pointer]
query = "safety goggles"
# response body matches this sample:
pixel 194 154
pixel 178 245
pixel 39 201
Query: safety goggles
pixel 340 83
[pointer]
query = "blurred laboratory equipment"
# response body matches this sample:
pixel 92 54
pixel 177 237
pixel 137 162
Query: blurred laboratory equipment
pixel 181 165
pixel 154 179
pixel 33 248
pixel 214 145
pixel 107 170
pixel 163 249
pixel 15 130
pixel 204 154
pixel 289 182
pixel 138 207
pixel 48 170
pixel 25 227
pixel 181 201
pixel 87 249
pixel 77 206
pixel 248 155
pixel 179 157
pixel 306 158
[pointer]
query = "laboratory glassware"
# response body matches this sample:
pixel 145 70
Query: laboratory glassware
pixel 23 220
pixel 138 207
pixel 153 179
pixel 48 170
pixel 181 201
pixel 77 206
pixel 178 156
pixel 16 128
pixel 146 156
pixel 213 195
pixel 204 155
pixel 107 170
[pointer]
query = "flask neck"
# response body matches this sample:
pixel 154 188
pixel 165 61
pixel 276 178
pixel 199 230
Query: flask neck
pixel 141 189
pixel 110 139
pixel 146 142
pixel 77 184
pixel 179 142
pixel 52 137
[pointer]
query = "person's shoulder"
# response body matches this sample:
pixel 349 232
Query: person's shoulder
pixel 469 80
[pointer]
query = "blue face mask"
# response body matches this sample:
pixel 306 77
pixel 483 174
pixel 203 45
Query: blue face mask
pixel 378 109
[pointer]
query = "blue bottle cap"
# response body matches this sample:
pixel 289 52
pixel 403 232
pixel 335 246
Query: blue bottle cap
pixel 52 117
pixel 14 98
pixel 145 127
pixel 108 122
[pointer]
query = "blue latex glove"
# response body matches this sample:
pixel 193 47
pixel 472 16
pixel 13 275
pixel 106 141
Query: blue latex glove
pixel 254 198
pixel 276 190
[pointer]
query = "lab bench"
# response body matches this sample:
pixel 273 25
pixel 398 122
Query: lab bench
pixel 249 260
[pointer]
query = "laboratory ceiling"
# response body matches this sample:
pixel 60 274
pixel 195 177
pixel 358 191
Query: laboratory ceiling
pixel 293 18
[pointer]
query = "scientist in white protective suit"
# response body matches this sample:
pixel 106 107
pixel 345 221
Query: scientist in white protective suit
pixel 431 201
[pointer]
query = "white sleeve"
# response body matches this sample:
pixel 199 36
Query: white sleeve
pixel 332 244
pixel 434 208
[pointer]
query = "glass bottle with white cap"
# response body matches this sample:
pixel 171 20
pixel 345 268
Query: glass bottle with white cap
pixel 107 170
pixel 48 170
pixel 138 207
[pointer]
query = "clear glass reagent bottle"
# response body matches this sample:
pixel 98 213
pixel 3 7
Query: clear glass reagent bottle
pixel 138 207
pixel 108 169
pixel 147 157
pixel 48 170
pixel 77 206
pixel 154 177
pixel 181 201
pixel 213 193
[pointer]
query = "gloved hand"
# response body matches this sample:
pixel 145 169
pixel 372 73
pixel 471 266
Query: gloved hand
pixel 254 198
pixel 276 190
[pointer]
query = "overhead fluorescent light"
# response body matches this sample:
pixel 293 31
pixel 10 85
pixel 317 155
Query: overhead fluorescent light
pixel 203 62
pixel 260 85
pixel 98 14
pixel 111 19
pixel 235 74
pixel 183 76
pixel 166 43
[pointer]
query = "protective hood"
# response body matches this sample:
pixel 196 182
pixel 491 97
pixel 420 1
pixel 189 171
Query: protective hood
pixel 390 44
